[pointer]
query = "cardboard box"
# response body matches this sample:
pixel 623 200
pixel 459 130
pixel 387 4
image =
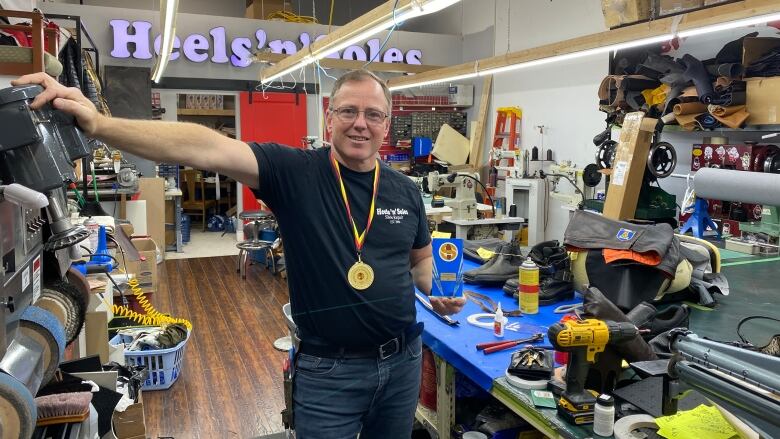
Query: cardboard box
pixel 763 100
pixel 620 12
pixel 152 190
pixel 754 48
pixel 130 424
pixel 145 270
pixel 629 166
pixel 668 7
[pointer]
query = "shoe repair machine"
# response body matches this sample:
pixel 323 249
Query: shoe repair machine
pixel 747 187
pixel 744 382
pixel 654 203
pixel 37 151
pixel 583 339
pixel 464 205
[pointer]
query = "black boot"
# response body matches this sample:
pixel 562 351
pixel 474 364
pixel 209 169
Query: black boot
pixel 505 267
pixel 499 251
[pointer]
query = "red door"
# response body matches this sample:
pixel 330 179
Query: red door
pixel 271 117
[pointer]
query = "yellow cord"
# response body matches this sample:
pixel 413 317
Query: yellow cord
pixel 152 316
pixel 291 17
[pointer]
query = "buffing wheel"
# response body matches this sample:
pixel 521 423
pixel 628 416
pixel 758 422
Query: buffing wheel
pixel 45 329
pixel 17 409
pixel 69 297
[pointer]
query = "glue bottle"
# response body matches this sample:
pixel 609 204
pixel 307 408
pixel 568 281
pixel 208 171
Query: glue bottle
pixel 498 322
pixel 529 287
pixel 604 415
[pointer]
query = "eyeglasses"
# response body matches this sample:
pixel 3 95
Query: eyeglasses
pixel 350 114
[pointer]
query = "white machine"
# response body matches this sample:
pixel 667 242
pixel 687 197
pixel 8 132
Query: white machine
pixel 464 204
pixel 576 177
pixel 497 155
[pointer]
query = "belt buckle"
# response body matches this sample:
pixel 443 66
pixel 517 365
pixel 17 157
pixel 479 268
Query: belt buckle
pixel 394 345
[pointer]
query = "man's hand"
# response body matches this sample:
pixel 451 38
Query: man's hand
pixel 69 100
pixel 447 305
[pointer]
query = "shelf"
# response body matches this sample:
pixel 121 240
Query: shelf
pixel 198 112
pixel 747 129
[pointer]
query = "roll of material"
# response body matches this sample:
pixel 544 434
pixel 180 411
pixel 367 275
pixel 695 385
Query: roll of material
pixel 716 140
pixel 689 108
pixel 728 185
pixel 627 424
pixel 525 384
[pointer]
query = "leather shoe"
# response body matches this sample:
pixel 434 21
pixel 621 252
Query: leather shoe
pixel 550 290
pixel 505 266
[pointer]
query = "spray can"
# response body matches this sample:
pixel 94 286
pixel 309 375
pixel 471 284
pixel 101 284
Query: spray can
pixel 529 287
pixel 92 227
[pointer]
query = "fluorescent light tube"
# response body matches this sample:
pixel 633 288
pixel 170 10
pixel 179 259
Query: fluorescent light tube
pixel 168 10
pixel 411 9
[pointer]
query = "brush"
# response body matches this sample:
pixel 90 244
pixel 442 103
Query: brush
pixel 63 408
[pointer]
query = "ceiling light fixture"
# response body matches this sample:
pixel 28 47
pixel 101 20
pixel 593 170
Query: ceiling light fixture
pixel 716 19
pixel 168 10
pixel 362 28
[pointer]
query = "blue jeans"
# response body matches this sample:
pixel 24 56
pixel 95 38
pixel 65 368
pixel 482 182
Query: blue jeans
pixel 337 398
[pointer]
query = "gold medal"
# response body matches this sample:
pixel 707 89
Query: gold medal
pixel 360 275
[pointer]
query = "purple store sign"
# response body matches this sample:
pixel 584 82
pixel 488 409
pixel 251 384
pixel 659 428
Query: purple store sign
pixel 133 40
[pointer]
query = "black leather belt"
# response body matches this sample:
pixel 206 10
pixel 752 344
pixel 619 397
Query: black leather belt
pixel 318 348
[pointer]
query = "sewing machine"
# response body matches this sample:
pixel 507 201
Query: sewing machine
pixel 464 204
pixel 576 177
pixel 516 169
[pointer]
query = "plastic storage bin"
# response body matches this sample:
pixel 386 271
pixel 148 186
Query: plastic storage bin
pixel 164 365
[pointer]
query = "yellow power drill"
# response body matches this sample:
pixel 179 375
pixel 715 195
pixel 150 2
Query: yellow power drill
pixel 583 339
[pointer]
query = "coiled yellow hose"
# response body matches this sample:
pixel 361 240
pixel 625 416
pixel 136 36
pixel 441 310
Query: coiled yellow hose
pixel 152 316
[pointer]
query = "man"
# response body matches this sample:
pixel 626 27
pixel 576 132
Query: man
pixel 356 244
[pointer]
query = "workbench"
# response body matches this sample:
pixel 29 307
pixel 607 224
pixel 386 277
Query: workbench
pixel 454 349
pixel 752 287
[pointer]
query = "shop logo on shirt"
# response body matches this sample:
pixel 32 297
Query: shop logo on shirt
pixel 625 234
pixel 393 216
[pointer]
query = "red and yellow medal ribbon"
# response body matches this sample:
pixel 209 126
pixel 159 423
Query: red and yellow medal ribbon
pixel 360 238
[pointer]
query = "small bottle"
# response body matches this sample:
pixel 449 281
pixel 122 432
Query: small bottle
pixel 498 322
pixel 604 415
pixel 529 287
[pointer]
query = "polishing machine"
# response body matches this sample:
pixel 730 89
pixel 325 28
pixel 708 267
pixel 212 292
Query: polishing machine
pixel 39 314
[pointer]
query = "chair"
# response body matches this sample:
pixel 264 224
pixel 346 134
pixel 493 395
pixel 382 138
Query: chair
pixel 259 220
pixel 193 178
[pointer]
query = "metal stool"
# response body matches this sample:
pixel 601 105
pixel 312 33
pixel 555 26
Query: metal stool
pixel 260 220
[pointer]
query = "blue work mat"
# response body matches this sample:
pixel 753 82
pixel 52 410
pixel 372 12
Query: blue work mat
pixel 457 344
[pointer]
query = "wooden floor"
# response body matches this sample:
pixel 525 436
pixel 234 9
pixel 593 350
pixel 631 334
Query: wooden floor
pixel 231 386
